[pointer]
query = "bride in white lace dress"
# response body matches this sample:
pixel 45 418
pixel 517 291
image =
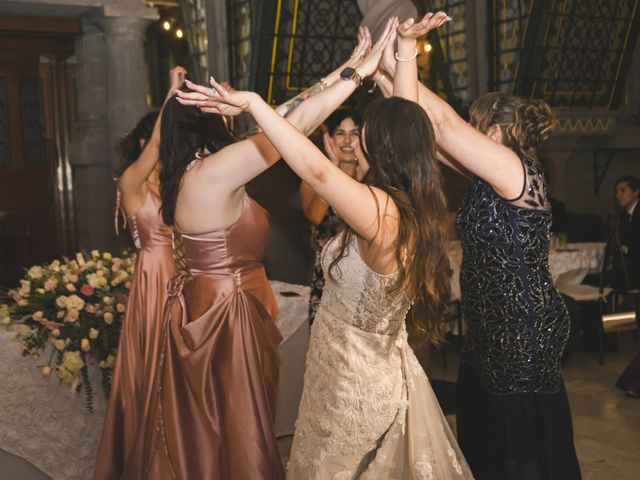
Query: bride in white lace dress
pixel 367 409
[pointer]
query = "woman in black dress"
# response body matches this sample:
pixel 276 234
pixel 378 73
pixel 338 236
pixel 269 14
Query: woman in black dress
pixel 513 418
pixel 341 136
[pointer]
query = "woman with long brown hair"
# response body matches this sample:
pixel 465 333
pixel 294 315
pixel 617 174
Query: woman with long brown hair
pixel 513 415
pixel 367 409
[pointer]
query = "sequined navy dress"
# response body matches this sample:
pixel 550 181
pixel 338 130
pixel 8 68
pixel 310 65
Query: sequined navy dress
pixel 514 420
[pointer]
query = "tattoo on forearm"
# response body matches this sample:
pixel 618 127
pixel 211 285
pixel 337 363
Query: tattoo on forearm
pixel 296 101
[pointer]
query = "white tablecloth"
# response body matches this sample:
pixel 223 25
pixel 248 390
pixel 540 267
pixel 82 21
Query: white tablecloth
pixel 48 425
pixel 568 266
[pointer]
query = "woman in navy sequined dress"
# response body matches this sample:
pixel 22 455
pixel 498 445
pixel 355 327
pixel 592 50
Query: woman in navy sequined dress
pixel 513 419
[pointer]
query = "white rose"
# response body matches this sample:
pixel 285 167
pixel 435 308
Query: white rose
pixel 55 266
pixel 107 300
pixel 93 333
pixel 71 287
pixel 107 256
pixel 59 344
pixel 35 272
pixel 74 302
pixel 55 332
pixel 60 314
pixel 25 287
pixel 108 318
pixel 85 345
pixel 73 361
pixel 80 259
pixel 23 302
pixel 120 308
pixel 95 253
pixel 40 290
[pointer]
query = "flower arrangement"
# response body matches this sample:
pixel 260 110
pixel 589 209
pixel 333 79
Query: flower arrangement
pixel 72 310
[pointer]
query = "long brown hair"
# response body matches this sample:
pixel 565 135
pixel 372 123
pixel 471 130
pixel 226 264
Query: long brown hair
pixel 399 144
pixel 525 123
pixel 184 132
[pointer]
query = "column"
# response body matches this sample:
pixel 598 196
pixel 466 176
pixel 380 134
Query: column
pixel 90 153
pixel 127 81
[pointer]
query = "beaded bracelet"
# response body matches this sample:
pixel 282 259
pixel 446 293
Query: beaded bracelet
pixel 406 59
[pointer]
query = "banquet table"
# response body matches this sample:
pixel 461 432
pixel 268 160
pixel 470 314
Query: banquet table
pixel 47 424
pixel 569 266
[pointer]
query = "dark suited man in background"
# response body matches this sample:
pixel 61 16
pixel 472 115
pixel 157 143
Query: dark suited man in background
pixel 627 191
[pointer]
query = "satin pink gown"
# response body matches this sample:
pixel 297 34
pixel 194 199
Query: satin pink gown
pixel 213 408
pixel 119 455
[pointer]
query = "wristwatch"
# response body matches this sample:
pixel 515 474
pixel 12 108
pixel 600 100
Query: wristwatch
pixel 351 74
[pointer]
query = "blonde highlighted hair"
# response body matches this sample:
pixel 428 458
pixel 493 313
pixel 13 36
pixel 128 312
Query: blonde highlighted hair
pixel 525 123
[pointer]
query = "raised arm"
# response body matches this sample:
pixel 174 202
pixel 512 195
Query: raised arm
pixel 242 161
pixel 313 205
pixel 352 200
pixel 136 174
pixel 405 83
pixel 474 151
pixel 460 146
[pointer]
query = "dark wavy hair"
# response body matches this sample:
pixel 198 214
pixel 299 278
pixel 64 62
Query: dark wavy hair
pixel 399 144
pixel 129 146
pixel 184 132
pixel 525 123
pixel 633 182
pixel 335 119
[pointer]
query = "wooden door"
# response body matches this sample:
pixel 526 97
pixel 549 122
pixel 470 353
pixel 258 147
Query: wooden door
pixel 34 114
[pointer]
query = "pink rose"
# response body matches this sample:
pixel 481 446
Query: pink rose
pixel 86 290
pixel 73 315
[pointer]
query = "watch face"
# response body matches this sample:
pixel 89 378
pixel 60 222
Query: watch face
pixel 347 72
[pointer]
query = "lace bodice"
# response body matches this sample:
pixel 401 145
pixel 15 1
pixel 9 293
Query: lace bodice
pixel 353 290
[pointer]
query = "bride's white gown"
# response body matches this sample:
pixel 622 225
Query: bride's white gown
pixel 367 409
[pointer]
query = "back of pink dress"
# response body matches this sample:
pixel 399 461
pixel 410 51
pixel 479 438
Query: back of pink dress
pixel 119 455
pixel 213 403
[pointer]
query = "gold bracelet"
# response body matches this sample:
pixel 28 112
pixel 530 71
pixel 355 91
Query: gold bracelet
pixel 406 59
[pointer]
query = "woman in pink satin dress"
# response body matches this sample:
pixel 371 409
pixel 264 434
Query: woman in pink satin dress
pixel 122 440
pixel 214 400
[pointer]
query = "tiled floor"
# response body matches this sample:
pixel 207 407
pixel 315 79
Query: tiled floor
pixel 606 422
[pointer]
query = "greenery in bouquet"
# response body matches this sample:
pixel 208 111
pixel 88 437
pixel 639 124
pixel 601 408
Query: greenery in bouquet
pixel 71 312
